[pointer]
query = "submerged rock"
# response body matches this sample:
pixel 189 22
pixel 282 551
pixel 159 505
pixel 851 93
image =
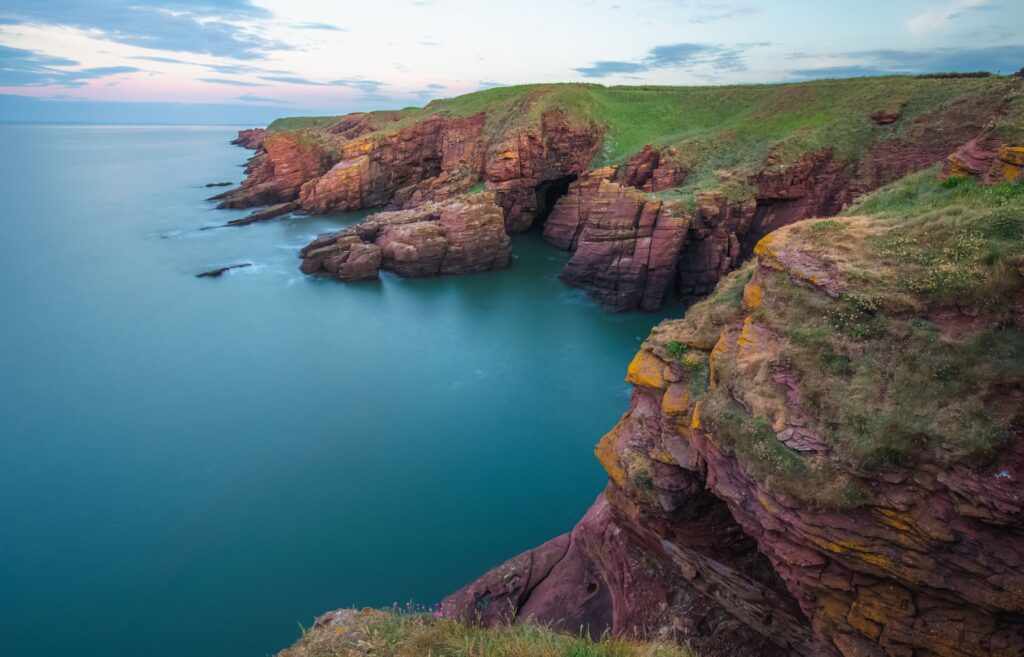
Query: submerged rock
pixel 272 212
pixel 216 273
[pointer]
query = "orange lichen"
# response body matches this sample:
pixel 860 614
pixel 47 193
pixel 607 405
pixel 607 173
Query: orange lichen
pixel 764 246
pixel 752 293
pixel 857 550
pixel 646 370
pixel 1012 155
pixel 896 519
pixel 608 456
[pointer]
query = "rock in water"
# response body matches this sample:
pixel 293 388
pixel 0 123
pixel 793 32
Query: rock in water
pixel 272 212
pixel 215 273
pixel 464 235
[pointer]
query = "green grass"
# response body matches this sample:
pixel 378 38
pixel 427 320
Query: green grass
pixel 388 634
pixel 889 385
pixel 711 130
pixel 302 123
pixel 920 358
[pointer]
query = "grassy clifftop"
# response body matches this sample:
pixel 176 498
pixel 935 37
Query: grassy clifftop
pixel 732 127
pixel 901 325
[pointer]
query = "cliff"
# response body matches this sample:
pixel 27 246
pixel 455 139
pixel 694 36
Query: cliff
pixel 825 456
pixel 657 191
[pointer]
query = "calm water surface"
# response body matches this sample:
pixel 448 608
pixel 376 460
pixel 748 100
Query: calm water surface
pixel 195 466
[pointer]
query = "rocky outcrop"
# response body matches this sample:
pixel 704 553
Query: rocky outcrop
pixel 219 271
pixel 723 230
pixel 633 250
pixel 351 165
pixel 915 559
pixel 521 164
pixel 461 236
pixel 272 212
pixel 651 170
pixel 989 160
pixel 251 138
pixel 661 224
pixel 276 173
pixel 886 116
pixel 625 245
pixel 603 576
pixel 372 168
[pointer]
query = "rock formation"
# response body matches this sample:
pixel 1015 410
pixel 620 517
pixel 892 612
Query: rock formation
pixel 625 245
pixel 768 521
pixel 219 271
pixel 645 229
pixel 988 159
pixel 251 138
pixel 825 457
pixel 465 235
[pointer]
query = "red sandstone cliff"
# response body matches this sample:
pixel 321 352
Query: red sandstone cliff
pixel 719 543
pixel 780 545
pixel 639 233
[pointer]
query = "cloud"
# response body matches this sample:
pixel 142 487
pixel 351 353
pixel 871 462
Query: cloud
pixel 27 68
pixel 236 83
pixel 677 55
pixel 24 67
pixel 362 84
pixel 936 17
pixel 327 27
pixel 837 72
pixel 367 86
pixel 162 60
pixel 291 79
pixel 249 98
pixel 604 68
pixel 1005 59
pixel 428 93
pixel 196 26
pixel 490 84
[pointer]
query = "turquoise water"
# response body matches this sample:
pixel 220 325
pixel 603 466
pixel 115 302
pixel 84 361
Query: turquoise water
pixel 195 466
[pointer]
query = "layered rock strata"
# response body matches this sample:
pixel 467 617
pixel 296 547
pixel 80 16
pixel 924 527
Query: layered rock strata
pixel 641 232
pixel 461 236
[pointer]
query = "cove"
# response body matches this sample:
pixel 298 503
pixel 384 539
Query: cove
pixel 194 466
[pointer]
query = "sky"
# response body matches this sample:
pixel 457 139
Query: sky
pixel 249 61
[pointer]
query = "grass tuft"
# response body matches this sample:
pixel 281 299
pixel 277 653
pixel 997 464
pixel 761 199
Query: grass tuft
pixel 388 634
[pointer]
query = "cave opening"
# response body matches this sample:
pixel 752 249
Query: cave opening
pixel 548 193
